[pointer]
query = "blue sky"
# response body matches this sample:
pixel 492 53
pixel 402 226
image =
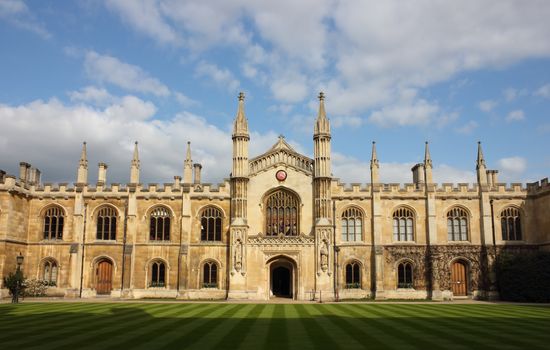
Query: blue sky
pixel 163 72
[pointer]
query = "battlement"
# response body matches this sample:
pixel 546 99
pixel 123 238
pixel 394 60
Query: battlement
pixel 539 187
pixel 11 183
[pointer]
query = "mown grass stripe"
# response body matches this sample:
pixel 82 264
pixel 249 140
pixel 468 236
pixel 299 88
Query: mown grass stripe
pixel 198 326
pixel 277 335
pixel 230 331
pixel 514 330
pixel 458 325
pixel 91 327
pixel 317 336
pixel 235 334
pixel 46 322
pixel 351 328
pixel 393 336
pixel 111 334
pixel 161 330
pixel 255 335
pixel 333 325
pixel 506 324
pixel 297 334
pixel 430 326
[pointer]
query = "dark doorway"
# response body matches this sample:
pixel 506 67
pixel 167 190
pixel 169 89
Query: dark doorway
pixel 280 282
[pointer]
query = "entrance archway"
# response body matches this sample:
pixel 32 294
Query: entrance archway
pixel 282 277
pixel 459 284
pixel 104 277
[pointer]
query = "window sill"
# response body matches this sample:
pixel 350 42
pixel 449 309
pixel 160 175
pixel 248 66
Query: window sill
pixel 511 242
pixel 459 242
pixel 404 242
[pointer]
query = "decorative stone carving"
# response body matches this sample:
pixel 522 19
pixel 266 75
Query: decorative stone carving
pixel 238 250
pixel 281 240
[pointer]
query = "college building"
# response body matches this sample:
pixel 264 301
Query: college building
pixel 280 226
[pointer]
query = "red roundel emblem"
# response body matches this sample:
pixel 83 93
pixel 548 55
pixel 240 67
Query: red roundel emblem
pixel 281 175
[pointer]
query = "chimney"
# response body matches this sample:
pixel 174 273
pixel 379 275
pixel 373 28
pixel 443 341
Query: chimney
pixel 102 174
pixel 24 171
pixel 197 178
pixel 177 181
pixel 492 177
pixel 418 173
pixel 2 176
pixel 34 176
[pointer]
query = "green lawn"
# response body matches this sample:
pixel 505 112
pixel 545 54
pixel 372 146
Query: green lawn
pixel 272 326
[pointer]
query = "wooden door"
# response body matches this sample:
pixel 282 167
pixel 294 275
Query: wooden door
pixel 104 277
pixel 458 279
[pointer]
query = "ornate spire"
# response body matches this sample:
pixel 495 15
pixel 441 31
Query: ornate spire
pixel 135 158
pixel 374 157
pixel 427 157
pixel 480 159
pixel 374 165
pixel 84 156
pixel 82 172
pixel 241 124
pixel 134 166
pixel 480 166
pixel 188 165
pixel 322 125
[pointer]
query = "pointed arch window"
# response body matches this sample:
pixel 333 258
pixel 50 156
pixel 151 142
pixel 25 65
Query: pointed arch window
pixel 158 274
pixel 457 225
pixel 352 225
pixel 405 275
pixel 353 275
pixel 282 213
pixel 159 229
pixel 211 224
pixel 54 220
pixel 49 272
pixel 403 225
pixel 510 223
pixel 106 224
pixel 210 275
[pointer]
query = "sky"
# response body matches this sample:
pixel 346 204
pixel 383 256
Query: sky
pixel 164 72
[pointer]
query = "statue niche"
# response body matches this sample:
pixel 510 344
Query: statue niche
pixel 282 213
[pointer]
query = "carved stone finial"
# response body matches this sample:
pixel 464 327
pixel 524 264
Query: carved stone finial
pixel 321 96
pixel 241 96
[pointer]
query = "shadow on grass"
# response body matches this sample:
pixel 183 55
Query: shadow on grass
pixel 261 326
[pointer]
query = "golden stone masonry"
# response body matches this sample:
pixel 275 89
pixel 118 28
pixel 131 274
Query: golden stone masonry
pixel 281 226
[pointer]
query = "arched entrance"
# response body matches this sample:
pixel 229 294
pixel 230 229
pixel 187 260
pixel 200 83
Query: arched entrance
pixel 459 283
pixel 282 277
pixel 104 277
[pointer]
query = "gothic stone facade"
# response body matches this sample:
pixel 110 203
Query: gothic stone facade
pixel 280 226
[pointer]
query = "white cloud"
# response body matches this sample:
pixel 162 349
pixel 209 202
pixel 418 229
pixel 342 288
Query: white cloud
pixel 487 105
pixel 362 52
pixel 512 168
pixel 105 68
pixel 145 16
pixel 350 169
pixel 514 116
pixel 185 100
pixel 419 112
pixel 543 91
pixel 290 88
pixel 511 94
pixel 92 94
pixel 468 127
pixel 18 14
pixel 221 76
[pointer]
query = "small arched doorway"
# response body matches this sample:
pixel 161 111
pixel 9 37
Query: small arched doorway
pixel 104 277
pixel 282 277
pixel 459 285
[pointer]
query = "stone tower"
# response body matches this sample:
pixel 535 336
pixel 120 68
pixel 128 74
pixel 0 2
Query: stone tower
pixel 324 233
pixel 239 188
